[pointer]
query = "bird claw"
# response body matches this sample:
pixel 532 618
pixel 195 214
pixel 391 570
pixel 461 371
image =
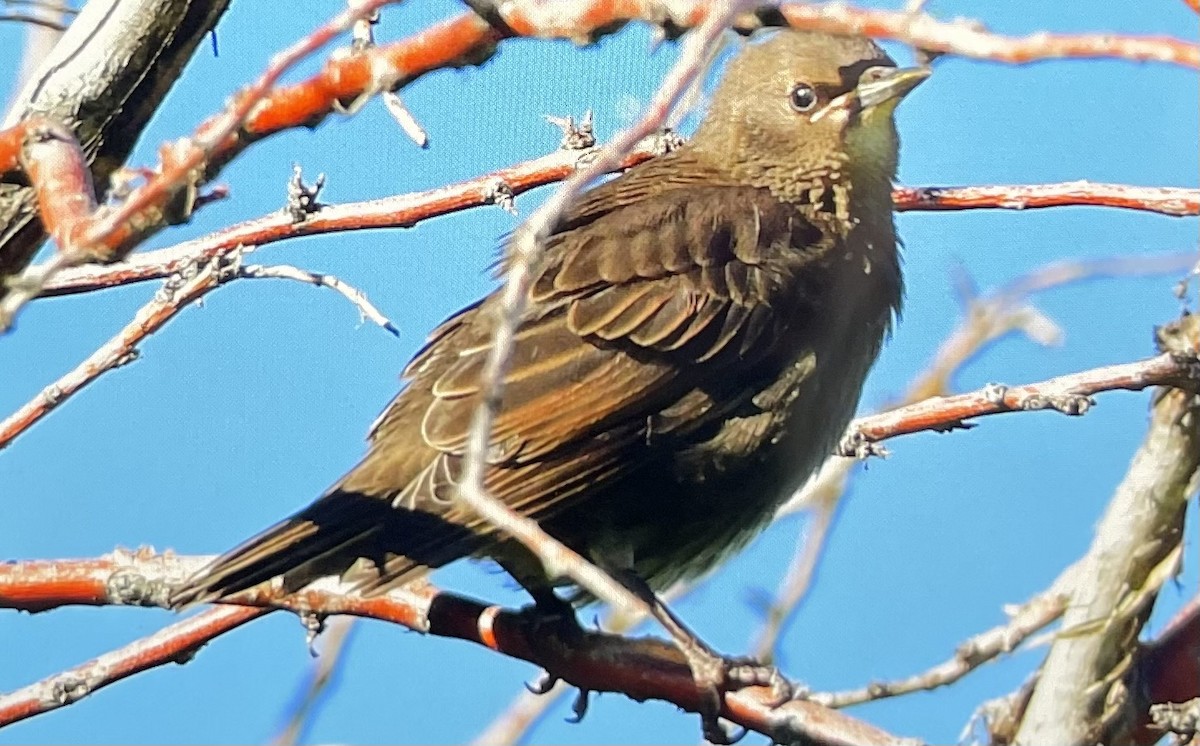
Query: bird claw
pixel 579 707
pixel 543 685
pixel 716 674
pixel 745 672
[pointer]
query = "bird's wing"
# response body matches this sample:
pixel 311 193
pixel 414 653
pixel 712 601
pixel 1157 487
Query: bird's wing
pixel 647 294
pixel 645 322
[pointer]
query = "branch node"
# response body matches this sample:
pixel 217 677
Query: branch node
pixel 128 587
pixel 1072 405
pixel 500 193
pixel 856 445
pixel 51 396
pixel 995 393
pixel 574 137
pixel 1180 718
pixel 302 198
pixel 68 688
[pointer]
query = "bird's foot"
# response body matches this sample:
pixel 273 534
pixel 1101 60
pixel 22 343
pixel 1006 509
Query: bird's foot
pixel 715 675
pixel 551 616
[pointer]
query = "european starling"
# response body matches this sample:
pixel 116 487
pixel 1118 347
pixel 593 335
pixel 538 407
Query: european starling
pixel 695 344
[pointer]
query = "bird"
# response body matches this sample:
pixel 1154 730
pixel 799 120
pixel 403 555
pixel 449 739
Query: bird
pixel 695 342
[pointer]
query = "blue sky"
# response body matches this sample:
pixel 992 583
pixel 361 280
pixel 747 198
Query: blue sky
pixel 244 409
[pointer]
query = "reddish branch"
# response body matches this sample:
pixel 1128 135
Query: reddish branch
pixel 1164 200
pixel 1069 394
pixel 642 668
pixel 346 79
pixel 119 350
pixel 407 210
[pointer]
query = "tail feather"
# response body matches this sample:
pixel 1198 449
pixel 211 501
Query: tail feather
pixel 329 537
pixel 301 548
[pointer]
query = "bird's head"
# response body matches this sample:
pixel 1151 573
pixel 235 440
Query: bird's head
pixel 801 106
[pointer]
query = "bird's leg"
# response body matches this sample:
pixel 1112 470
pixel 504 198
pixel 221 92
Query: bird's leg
pixel 713 673
pixel 551 611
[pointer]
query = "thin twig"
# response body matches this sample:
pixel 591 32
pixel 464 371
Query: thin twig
pixel 121 349
pixel 176 294
pixel 557 559
pixel 1026 619
pixel 400 211
pixel 986 320
pixel 346 290
pixel 1081 694
pixel 407 210
pixel 181 162
pixel 1069 394
pixel 316 684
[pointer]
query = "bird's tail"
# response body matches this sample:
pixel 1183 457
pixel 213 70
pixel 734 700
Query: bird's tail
pixel 325 538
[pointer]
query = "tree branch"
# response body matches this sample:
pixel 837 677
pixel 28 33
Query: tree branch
pixel 641 668
pixel 107 76
pixel 470 39
pixel 1080 696
pixel 1070 395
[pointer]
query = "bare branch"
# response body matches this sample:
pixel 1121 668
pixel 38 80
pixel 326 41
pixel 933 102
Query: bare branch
pixel 349 292
pixel 121 349
pixel 1080 697
pixel 1026 619
pixel 1070 395
pixel 642 668
pixel 107 76
pixel 113 233
pixel 525 253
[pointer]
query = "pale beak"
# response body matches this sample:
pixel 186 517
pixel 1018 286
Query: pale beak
pixel 891 85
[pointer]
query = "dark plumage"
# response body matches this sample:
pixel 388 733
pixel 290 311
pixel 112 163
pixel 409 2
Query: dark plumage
pixel 694 346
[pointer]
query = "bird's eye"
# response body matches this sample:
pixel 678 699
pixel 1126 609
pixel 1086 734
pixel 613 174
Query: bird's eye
pixel 802 97
pixel 872 74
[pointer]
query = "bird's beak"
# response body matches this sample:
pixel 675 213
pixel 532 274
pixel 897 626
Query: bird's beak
pixel 892 86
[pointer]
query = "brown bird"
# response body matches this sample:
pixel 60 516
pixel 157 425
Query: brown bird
pixel 695 344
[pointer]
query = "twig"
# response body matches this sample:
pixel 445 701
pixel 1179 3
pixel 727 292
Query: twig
pixel 316 684
pixel 530 704
pixel 1025 620
pixel 967 38
pixel 176 294
pixel 109 234
pixel 121 349
pixel 1070 394
pixel 349 292
pixel 1165 200
pixel 407 210
pixel 400 211
pixel 525 250
pixel 986 320
pixel 469 38
pixel 174 644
